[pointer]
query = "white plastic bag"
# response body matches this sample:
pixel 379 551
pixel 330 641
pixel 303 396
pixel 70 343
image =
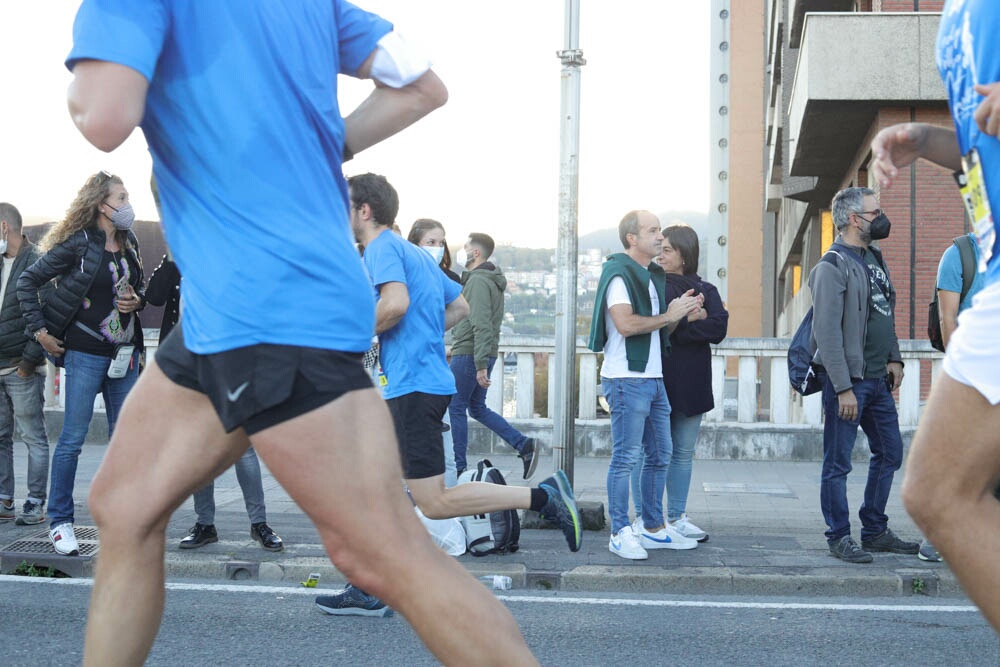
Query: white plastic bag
pixel 446 533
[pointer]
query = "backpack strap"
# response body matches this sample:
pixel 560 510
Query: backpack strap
pixel 968 256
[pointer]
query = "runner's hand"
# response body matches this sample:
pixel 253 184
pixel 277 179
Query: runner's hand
pixel 987 114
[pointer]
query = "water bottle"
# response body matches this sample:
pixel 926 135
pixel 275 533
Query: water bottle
pixel 497 582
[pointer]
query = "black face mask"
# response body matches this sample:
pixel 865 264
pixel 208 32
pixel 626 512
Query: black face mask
pixel 879 227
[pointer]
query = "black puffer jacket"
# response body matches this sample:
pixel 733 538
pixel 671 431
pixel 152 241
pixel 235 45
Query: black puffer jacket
pixel 74 264
pixel 15 347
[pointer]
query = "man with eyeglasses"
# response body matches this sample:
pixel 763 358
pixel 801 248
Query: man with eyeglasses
pixel 854 337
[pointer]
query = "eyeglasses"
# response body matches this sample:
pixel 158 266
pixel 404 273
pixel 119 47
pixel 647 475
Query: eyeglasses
pixel 877 212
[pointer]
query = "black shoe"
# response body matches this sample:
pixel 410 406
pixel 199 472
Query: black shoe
pixel 529 457
pixel 199 536
pixel 268 539
pixel 888 541
pixel 847 550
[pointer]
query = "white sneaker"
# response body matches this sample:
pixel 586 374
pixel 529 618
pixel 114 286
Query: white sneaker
pixel 624 543
pixel 64 540
pixel 684 526
pixel 666 538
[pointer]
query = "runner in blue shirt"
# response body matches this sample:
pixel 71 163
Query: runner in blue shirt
pixel 416 303
pixel 238 104
pixel 954 463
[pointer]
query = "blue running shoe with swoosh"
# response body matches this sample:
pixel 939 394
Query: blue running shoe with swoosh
pixel 561 508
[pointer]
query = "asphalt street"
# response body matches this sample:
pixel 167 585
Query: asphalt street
pixel 240 624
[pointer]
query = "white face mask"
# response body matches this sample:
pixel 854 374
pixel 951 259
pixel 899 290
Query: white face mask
pixel 3 244
pixel 461 257
pixel 436 252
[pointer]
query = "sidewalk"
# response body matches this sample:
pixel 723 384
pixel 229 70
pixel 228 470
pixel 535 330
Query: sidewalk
pixel 763 518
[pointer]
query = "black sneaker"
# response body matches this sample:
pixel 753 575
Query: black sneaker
pixel 888 541
pixel 847 550
pixel 268 539
pixel 353 602
pixel 199 536
pixel 561 508
pixel 529 457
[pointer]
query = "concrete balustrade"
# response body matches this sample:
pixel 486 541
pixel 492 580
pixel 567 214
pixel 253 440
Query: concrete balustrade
pixel 756 414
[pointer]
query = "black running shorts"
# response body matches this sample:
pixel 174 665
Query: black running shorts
pixel 262 385
pixel 417 418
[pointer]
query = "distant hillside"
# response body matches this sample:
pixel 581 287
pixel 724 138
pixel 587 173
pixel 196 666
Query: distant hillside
pixel 606 240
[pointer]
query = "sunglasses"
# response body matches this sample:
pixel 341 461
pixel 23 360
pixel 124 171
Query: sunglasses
pixel 101 177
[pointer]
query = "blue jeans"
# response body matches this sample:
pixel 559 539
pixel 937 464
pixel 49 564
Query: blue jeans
pixel 683 436
pixel 470 397
pixel 21 402
pixel 248 475
pixel 86 375
pixel 879 421
pixel 640 420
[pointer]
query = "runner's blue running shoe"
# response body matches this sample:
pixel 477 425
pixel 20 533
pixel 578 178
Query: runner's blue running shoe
pixel 561 508
pixel 353 602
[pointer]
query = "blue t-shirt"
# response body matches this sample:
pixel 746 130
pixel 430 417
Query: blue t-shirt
pixel 246 136
pixel 949 275
pixel 967 54
pixel 412 352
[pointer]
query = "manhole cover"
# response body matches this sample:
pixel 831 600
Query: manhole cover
pixel 742 487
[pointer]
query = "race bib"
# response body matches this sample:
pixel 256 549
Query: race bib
pixel 972 183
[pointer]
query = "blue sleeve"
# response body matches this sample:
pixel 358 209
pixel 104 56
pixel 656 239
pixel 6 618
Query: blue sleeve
pixel 949 275
pixel 452 290
pixel 125 32
pixel 385 263
pixel 358 34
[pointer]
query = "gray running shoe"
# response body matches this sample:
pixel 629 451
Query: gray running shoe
pixel 31 514
pixel 928 552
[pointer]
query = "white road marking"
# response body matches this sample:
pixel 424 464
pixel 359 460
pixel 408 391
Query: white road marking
pixel 707 604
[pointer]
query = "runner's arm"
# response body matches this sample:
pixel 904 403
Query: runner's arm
pixel 106 101
pixel 393 302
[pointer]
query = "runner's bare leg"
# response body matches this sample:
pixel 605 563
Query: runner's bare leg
pixel 340 463
pixel 953 469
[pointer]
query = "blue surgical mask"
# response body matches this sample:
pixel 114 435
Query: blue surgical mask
pixel 436 252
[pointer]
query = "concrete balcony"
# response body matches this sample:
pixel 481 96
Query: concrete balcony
pixel 797 10
pixel 850 65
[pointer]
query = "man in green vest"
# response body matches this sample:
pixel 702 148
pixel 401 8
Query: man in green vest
pixel 629 314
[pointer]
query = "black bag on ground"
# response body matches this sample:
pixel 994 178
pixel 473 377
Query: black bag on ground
pixel 496 532
pixel 968 255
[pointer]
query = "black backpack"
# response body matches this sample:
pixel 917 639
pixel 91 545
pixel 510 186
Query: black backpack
pixel 968 255
pixel 496 532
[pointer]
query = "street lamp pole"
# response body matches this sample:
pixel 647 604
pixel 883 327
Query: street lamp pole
pixel 563 416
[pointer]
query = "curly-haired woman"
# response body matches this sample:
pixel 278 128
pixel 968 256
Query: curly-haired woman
pixel 88 324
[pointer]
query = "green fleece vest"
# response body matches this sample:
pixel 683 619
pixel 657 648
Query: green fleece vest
pixel 637 283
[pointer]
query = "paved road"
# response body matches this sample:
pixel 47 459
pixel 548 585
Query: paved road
pixel 236 624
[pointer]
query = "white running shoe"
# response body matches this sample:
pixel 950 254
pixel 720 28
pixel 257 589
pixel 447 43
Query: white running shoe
pixel 64 540
pixel 684 526
pixel 624 543
pixel 665 538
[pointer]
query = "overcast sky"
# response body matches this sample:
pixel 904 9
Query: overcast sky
pixel 488 161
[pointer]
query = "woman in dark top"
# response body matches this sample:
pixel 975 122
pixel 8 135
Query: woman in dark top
pixel 687 371
pixel 89 324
